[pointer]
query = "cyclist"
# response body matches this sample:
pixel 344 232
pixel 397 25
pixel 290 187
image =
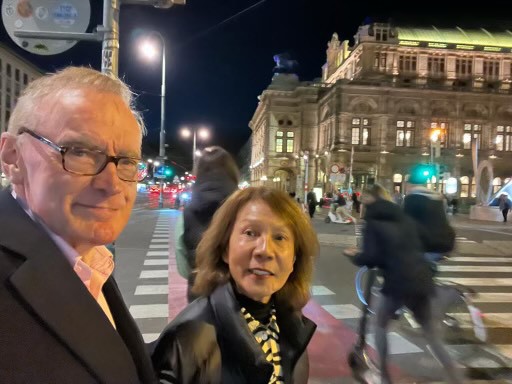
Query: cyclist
pixel 427 209
pixel 391 244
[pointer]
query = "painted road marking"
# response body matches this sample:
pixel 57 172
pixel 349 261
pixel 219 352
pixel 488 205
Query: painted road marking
pixel 320 290
pixel 162 289
pixel 474 268
pixel 156 262
pixel 343 311
pixel 157 253
pixel 158 274
pixel 149 311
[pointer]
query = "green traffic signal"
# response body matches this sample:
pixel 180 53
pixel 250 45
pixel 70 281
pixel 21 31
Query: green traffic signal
pixel 420 173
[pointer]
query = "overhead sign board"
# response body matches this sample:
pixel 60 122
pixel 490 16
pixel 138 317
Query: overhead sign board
pixel 71 16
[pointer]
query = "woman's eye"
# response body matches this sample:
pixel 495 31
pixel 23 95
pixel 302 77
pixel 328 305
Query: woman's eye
pixel 249 232
pixel 280 237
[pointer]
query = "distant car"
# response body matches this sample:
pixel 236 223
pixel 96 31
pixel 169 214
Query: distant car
pixel 154 189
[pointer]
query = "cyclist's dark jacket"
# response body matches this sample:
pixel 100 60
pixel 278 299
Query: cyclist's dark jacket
pixel 391 243
pixel 427 209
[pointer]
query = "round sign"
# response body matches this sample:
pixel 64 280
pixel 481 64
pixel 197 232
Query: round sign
pixel 335 168
pixel 71 16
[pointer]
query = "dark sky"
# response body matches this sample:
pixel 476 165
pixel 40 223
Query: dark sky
pixel 216 70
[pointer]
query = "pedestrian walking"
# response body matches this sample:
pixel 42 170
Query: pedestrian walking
pixel 255 265
pixel 356 204
pixel 311 202
pixel 391 244
pixel 504 205
pixel 217 177
pixel 71 154
pixel 427 209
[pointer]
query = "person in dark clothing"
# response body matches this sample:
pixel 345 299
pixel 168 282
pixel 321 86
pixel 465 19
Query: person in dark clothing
pixel 217 177
pixel 312 203
pixel 391 244
pixel 255 266
pixel 356 204
pixel 427 209
pixel 504 205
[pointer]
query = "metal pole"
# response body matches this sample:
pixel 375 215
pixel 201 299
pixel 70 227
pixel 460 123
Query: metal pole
pixel 110 46
pixel 306 173
pixel 194 151
pixel 162 122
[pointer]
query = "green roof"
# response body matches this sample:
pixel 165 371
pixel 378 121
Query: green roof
pixel 457 36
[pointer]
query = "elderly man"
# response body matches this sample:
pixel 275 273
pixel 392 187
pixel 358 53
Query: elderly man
pixel 70 153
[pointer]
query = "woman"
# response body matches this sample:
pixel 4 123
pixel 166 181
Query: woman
pixel 391 243
pixel 216 178
pixel 254 270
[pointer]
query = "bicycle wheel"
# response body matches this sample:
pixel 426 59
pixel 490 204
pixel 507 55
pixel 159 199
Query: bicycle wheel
pixel 459 321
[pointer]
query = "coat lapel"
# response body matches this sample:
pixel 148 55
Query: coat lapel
pixel 48 286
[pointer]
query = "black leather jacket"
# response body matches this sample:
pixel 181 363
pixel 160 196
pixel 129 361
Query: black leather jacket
pixel 210 343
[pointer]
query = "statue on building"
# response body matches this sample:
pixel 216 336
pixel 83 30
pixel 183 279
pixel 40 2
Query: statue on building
pixel 285 64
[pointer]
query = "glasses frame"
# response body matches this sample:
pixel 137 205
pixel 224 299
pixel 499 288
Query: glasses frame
pixel 62 150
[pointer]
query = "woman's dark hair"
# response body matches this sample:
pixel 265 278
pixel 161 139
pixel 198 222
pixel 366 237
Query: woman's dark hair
pixel 215 158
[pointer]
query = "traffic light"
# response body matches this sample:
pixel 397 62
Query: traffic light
pixel 168 172
pixel 420 173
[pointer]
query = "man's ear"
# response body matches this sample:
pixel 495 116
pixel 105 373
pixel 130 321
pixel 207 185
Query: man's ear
pixel 9 158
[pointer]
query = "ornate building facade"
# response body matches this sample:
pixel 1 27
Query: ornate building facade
pixel 395 98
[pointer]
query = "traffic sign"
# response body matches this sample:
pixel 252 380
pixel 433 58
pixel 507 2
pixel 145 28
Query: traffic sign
pixel 69 16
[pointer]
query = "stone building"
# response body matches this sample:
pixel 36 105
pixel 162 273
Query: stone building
pixel 15 74
pixel 396 97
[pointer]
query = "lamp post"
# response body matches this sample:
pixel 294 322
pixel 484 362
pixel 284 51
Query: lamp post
pixel 150 51
pixel 203 134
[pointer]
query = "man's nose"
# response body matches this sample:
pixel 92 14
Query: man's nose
pixel 108 179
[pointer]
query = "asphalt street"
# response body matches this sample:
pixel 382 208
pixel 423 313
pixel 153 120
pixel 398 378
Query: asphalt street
pixel 146 274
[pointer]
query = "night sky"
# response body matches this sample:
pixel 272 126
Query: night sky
pixel 217 68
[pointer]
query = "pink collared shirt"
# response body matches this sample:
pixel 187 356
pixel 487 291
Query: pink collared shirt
pixel 94 268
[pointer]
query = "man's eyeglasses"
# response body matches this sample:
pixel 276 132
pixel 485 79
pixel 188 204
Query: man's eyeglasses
pixel 90 162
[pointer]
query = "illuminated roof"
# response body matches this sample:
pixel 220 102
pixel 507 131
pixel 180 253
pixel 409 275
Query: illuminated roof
pixel 457 36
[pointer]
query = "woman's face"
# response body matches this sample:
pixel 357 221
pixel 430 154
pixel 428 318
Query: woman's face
pixel 261 251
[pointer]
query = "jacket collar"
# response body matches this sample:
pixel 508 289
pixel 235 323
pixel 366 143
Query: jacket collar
pixel 295 333
pixel 46 283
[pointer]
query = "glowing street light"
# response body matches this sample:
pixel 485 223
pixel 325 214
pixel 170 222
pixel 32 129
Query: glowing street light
pixel 203 134
pixel 150 51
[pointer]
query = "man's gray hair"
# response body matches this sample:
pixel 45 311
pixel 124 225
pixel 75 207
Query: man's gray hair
pixel 68 78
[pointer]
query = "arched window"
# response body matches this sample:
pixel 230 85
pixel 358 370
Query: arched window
pixel 496 184
pixel 464 186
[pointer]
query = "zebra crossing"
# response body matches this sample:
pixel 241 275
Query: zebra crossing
pixel 151 311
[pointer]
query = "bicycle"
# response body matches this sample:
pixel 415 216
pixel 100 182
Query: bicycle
pixel 459 320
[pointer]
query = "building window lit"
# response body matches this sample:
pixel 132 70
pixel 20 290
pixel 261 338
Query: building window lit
pixel 491 69
pixel 436 66
pixel 360 131
pixel 496 185
pixel 471 131
pixel 405 133
pixel 503 138
pixel 464 186
pixel 284 142
pixel 407 63
pixel 289 142
pixel 464 67
pixel 473 187
pixel 380 60
pixel 441 130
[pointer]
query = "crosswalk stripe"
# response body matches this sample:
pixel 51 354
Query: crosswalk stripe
pixel 149 311
pixel 491 320
pixel 156 262
pixel 157 253
pixel 480 259
pixel 474 268
pixel 158 274
pixel 149 337
pixel 162 289
pixel 159 246
pixel 471 282
pixel 493 298
pixel 164 240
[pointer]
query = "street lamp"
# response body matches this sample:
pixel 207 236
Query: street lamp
pixel 150 51
pixel 194 132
